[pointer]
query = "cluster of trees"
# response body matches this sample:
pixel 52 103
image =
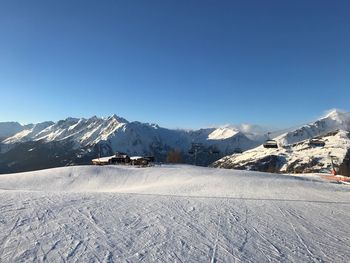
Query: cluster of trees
pixel 174 156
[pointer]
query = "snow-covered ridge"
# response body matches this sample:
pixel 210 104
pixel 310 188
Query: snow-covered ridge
pixel 222 133
pixel 132 137
pixel 82 131
pixel 333 120
pixel 295 154
pixel 28 133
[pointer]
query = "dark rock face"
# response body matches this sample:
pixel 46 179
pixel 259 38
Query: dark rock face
pixel 270 164
pixel 38 155
pixel 274 163
pixel 344 168
pixel 313 166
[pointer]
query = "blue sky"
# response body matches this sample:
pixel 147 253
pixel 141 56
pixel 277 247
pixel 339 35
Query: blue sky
pixel 176 63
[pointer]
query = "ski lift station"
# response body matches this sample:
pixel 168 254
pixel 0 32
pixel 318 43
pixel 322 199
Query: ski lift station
pixel 270 144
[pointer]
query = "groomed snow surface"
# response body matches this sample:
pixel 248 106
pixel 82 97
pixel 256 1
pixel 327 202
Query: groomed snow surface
pixel 171 214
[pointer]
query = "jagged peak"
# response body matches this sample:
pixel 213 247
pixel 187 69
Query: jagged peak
pixel 93 118
pixel 117 118
pixel 43 124
pixel 66 121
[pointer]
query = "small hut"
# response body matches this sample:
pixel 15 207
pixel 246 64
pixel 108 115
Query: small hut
pixel 316 142
pixel 104 160
pixel 122 158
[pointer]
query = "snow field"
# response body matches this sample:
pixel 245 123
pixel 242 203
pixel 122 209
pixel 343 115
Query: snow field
pixel 171 214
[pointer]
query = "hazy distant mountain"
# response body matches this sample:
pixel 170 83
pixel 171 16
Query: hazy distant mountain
pixel 8 129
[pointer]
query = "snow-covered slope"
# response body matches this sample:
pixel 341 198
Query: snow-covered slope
pixel 334 120
pixel 28 133
pixel 299 157
pixel 294 153
pixel 171 214
pixel 185 180
pixel 222 133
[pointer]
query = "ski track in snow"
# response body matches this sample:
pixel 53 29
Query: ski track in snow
pixel 152 226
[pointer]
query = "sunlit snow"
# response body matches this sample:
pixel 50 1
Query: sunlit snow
pixel 171 214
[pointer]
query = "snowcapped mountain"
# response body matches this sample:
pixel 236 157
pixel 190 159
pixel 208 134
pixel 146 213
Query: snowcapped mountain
pixel 334 120
pixel 81 131
pixel 133 137
pixel 295 153
pixel 27 133
pixel 87 138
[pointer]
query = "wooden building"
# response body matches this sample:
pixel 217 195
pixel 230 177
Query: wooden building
pixel 123 158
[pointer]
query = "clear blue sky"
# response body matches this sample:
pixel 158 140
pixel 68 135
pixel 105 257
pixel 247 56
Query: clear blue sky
pixel 177 63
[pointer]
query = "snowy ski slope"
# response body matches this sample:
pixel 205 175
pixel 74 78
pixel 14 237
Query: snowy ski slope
pixel 171 214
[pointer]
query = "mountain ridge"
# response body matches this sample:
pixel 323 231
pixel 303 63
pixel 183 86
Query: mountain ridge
pixel 91 137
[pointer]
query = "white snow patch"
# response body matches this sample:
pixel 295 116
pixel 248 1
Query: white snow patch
pixel 222 133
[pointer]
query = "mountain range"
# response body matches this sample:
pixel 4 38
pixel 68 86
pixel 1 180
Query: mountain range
pixel 75 141
pixel 78 140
